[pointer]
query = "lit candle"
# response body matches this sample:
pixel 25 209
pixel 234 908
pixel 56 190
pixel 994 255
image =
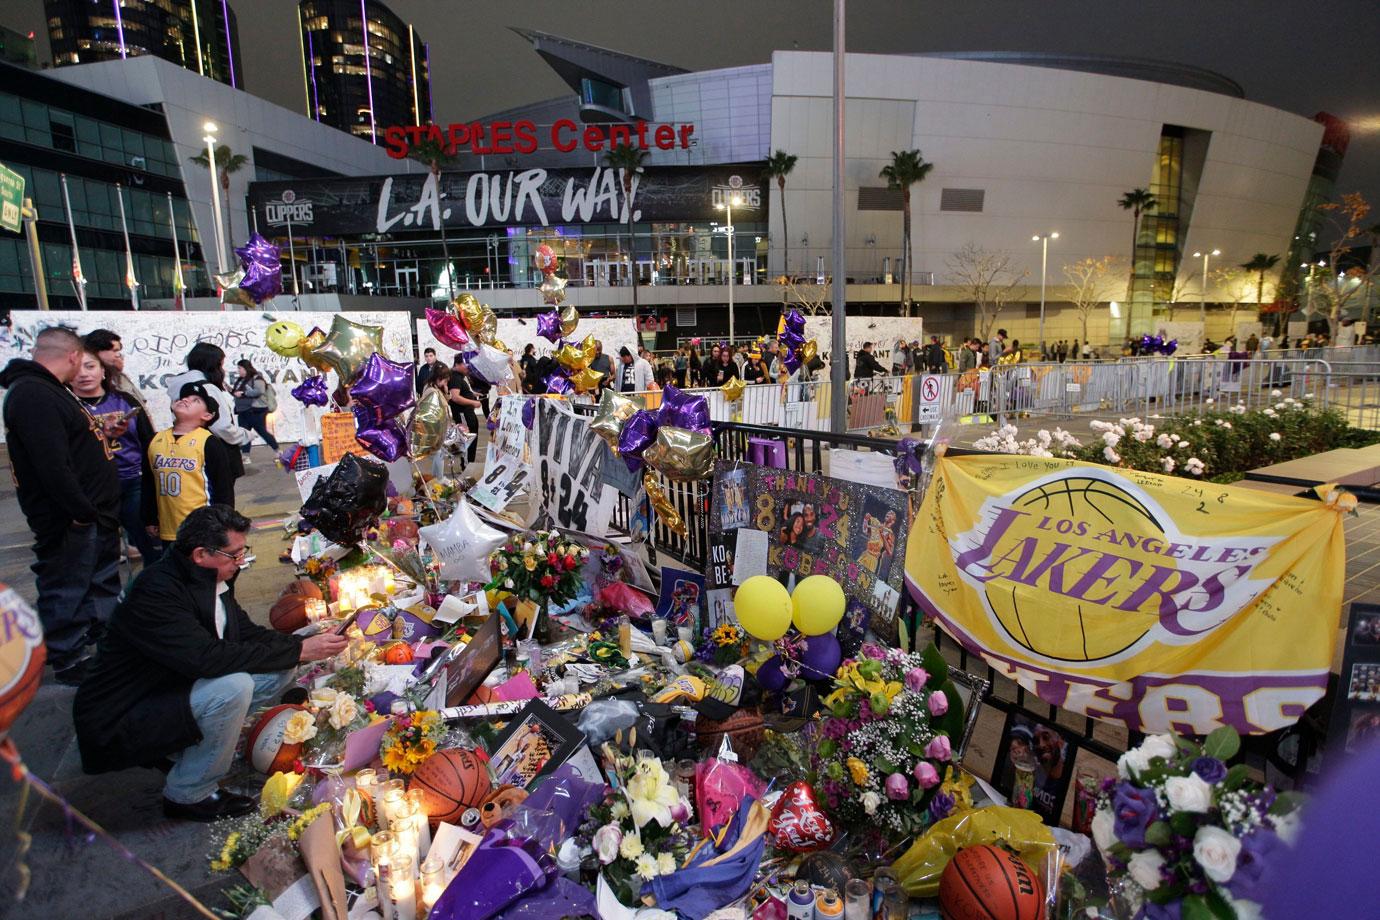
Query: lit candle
pixel 404 830
pixel 366 781
pixel 393 799
pixel 433 882
pixel 381 858
pixel 316 610
pixel 414 796
pixel 403 889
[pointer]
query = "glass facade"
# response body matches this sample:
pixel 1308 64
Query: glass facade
pixel 200 35
pixel 362 79
pixel 1158 238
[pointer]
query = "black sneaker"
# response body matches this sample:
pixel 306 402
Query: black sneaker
pixel 73 675
pixel 218 805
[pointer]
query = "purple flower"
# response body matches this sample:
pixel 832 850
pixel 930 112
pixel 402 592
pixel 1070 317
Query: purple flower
pixel 1210 769
pixel 938 748
pixel 938 703
pixel 941 805
pixel 926 775
pixel 897 789
pixel 1153 911
pixel 916 678
pixel 1257 851
pixel 1134 809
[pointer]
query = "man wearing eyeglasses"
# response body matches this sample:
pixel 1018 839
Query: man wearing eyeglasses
pixel 181 666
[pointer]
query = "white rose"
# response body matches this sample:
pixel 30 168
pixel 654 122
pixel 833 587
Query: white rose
pixel 1245 910
pixel 343 711
pixel 606 841
pixel 1160 746
pixel 1216 851
pixel 1288 826
pixel 870 802
pixel 1145 868
pixel 300 728
pixel 1132 763
pixel 1103 829
pixel 1188 793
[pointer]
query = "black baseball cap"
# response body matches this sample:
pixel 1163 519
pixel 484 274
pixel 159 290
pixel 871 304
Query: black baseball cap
pixel 199 389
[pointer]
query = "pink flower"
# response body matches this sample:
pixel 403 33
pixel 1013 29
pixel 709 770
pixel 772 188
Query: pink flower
pixel 916 678
pixel 897 789
pixel 926 775
pixel 938 703
pixel 938 749
pixel 870 650
pixel 399 546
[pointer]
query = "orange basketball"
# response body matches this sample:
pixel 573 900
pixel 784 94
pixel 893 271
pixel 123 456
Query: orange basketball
pixel 451 782
pixel 397 653
pixel 289 612
pixel 989 883
pixel 22 654
pixel 265 749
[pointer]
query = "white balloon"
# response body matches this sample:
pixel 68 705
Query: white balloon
pixel 463 544
pixel 493 365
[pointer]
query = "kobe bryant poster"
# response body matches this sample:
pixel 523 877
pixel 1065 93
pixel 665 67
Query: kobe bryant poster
pixel 1161 603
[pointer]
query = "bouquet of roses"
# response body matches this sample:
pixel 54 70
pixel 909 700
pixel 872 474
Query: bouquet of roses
pixel 331 714
pixel 1192 837
pixel 883 745
pixel 543 566
pixel 640 831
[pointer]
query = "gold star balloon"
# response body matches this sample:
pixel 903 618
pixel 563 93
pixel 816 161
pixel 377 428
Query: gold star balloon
pixel 570 318
pixel 613 410
pixel 662 506
pixel 680 454
pixel 553 291
pixel 585 379
pixel 733 389
pixel 426 431
pixel 231 292
pixel 348 345
pixel 573 357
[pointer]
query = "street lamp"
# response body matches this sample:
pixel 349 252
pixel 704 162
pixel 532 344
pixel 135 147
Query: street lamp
pixel 1202 294
pixel 210 139
pixel 1043 239
pixel 727 207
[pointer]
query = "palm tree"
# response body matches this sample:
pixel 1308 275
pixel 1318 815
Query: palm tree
pixel 227 161
pixel 1260 263
pixel 779 166
pixel 1137 201
pixel 435 155
pixel 907 167
pixel 628 160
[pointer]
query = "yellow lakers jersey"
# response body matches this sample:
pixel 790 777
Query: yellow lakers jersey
pixel 179 476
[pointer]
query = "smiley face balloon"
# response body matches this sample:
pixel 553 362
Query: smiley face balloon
pixel 284 338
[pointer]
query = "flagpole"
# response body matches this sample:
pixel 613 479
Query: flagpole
pixel 130 281
pixel 179 285
pixel 292 258
pixel 78 279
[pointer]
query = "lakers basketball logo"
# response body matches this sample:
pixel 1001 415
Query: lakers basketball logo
pixel 1083 568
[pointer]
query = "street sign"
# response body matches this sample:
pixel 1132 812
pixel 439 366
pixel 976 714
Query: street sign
pixel 11 198
pixel 930 406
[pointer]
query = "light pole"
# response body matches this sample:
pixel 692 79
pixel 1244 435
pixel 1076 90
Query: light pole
pixel 210 139
pixel 1202 294
pixel 727 207
pixel 1043 239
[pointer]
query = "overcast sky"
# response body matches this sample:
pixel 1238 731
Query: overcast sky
pixel 1300 56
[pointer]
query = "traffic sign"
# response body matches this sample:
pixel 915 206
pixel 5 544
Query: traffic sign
pixel 930 406
pixel 11 198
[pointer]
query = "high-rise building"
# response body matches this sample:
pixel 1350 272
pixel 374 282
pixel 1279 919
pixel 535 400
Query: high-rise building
pixel 200 35
pixel 17 48
pixel 362 79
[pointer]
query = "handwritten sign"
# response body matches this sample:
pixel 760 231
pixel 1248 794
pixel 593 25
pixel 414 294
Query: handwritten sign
pixel 570 464
pixel 338 437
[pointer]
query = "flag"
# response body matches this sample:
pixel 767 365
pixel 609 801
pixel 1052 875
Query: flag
pixel 179 287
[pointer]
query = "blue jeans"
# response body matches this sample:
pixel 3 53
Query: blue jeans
pixel 77 574
pixel 133 521
pixel 256 420
pixel 220 705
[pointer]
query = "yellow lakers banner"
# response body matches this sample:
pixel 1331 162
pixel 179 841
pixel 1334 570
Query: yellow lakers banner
pixel 1158 602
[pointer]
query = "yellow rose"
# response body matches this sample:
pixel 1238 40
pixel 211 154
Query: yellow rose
pixel 529 563
pixel 857 769
pixel 300 728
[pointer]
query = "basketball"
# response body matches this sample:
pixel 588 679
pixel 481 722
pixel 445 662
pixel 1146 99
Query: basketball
pixel 264 748
pixel 289 612
pixel 22 654
pixel 989 883
pixel 451 782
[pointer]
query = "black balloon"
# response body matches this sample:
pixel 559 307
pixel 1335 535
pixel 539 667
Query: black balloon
pixel 348 501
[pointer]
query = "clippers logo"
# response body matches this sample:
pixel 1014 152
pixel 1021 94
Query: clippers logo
pixel 289 210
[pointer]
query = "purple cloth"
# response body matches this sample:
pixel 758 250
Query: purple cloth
pixel 129 452
pixel 697 890
pixel 566 795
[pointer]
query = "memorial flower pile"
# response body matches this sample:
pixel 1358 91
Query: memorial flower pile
pixel 411 739
pixel 1195 837
pixel 883 754
pixel 543 566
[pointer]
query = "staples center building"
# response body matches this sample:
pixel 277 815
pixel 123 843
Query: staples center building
pixel 1022 146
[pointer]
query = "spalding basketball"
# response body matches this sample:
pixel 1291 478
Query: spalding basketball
pixel 22 654
pixel 289 612
pixel 451 782
pixel 264 748
pixel 989 883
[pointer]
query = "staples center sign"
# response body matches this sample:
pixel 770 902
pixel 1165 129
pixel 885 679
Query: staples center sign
pixel 523 136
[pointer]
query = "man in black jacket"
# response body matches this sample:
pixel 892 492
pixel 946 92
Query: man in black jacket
pixel 180 667
pixel 69 490
pixel 865 365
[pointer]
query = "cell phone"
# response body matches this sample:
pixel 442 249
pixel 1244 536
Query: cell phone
pixel 345 623
pixel 130 414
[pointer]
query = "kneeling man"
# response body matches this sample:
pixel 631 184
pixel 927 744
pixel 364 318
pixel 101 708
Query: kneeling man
pixel 180 667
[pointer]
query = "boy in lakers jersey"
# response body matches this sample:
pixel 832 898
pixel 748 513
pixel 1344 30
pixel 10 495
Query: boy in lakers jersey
pixel 187 466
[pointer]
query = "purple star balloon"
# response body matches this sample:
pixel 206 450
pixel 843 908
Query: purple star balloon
pixel 792 340
pixel 792 360
pixel 312 391
pixel 384 438
pixel 263 269
pixel 549 326
pixel 795 322
pixel 385 386
pixel 557 382
pixel 681 410
pixel 638 434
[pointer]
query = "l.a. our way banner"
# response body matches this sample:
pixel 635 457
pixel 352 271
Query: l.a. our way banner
pixel 1157 602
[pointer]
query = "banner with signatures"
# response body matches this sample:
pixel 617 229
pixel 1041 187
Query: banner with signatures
pixel 1158 602
pixel 156 343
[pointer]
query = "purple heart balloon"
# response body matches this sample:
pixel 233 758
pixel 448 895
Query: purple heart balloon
pixel 382 437
pixel 385 386
pixel 795 322
pixel 682 410
pixel 557 382
pixel 529 413
pixel 263 269
pixel 549 325
pixel 447 328
pixel 638 434
pixel 312 391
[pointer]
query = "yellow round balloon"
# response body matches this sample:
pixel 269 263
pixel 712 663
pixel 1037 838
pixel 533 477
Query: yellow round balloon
pixel 763 606
pixel 817 605
pixel 283 338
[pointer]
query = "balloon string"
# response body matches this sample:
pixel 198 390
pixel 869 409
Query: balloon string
pixel 21 774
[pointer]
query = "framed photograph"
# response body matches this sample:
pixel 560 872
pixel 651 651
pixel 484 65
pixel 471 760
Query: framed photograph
pixel 1034 765
pixel 474 663
pixel 1355 713
pixel 533 744
pixel 1364 684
